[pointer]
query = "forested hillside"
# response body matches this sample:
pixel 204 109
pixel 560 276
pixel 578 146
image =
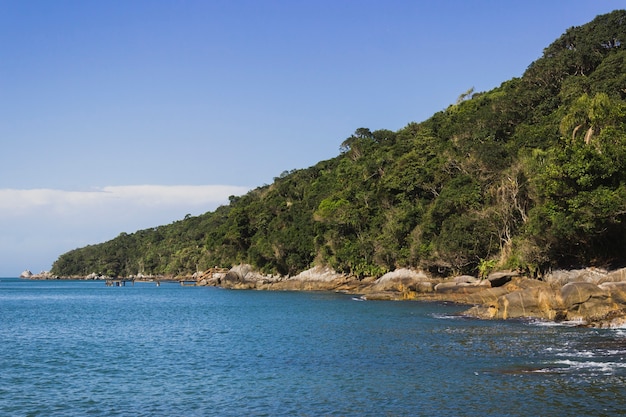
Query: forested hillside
pixel 529 175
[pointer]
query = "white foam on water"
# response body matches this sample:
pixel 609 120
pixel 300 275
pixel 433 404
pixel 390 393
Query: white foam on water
pixel 578 354
pixel 548 323
pixel 547 370
pixel 564 347
pixel 614 352
pixel 604 367
pixel 443 316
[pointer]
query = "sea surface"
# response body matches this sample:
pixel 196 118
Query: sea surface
pixel 79 348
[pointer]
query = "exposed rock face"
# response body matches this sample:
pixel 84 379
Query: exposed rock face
pixel 243 276
pixel 520 298
pixel 576 294
pixel 42 275
pixel 498 279
pixel 585 302
pixel 562 277
pixel 588 302
pixel 401 283
pixel 461 286
pixel 315 279
pixel 592 297
pixel 617 290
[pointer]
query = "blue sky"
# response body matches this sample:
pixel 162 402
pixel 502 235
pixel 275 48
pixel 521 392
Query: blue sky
pixel 121 115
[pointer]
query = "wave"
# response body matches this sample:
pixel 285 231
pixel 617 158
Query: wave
pixel 604 367
pixel 444 316
pixel 548 323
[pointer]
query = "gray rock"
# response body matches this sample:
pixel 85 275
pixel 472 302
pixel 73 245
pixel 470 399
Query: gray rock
pixel 500 278
pixel 576 293
pixel 26 274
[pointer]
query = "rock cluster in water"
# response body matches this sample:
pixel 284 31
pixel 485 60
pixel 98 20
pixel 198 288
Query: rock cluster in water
pixel 42 275
pixel 590 297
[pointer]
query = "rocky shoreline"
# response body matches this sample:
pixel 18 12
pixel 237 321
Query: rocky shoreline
pixel 590 297
pixel 587 297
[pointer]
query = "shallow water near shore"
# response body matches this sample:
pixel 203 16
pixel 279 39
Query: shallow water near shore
pixel 75 348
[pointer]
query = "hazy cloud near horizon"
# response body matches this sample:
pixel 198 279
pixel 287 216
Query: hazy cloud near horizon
pixel 49 222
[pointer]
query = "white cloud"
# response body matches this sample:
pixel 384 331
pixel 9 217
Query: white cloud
pixel 19 202
pixel 37 225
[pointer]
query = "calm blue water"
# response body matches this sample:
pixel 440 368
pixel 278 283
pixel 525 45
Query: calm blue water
pixel 84 349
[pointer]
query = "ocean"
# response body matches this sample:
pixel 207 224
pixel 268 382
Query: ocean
pixel 79 348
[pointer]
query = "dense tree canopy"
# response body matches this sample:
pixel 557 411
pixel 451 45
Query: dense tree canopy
pixel 530 175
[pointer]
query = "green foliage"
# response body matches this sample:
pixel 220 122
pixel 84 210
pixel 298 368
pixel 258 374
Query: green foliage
pixel 485 266
pixel 528 175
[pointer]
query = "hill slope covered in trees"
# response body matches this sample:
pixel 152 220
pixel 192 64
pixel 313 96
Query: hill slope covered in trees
pixel 529 175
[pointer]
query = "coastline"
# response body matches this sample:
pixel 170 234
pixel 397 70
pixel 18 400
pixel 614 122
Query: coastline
pixel 589 297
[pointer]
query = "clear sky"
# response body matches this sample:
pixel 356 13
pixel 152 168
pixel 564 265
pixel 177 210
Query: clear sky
pixel 121 115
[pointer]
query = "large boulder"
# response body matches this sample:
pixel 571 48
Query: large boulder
pixel 463 284
pixel 465 279
pixel 318 278
pixel 26 274
pixel 520 297
pixel 591 303
pixel 404 280
pixel 619 275
pixel 246 277
pixel 212 277
pixel 485 299
pixel 539 302
pixel 576 293
pixel 616 290
pixel 319 274
pixel 562 277
pixel 499 278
